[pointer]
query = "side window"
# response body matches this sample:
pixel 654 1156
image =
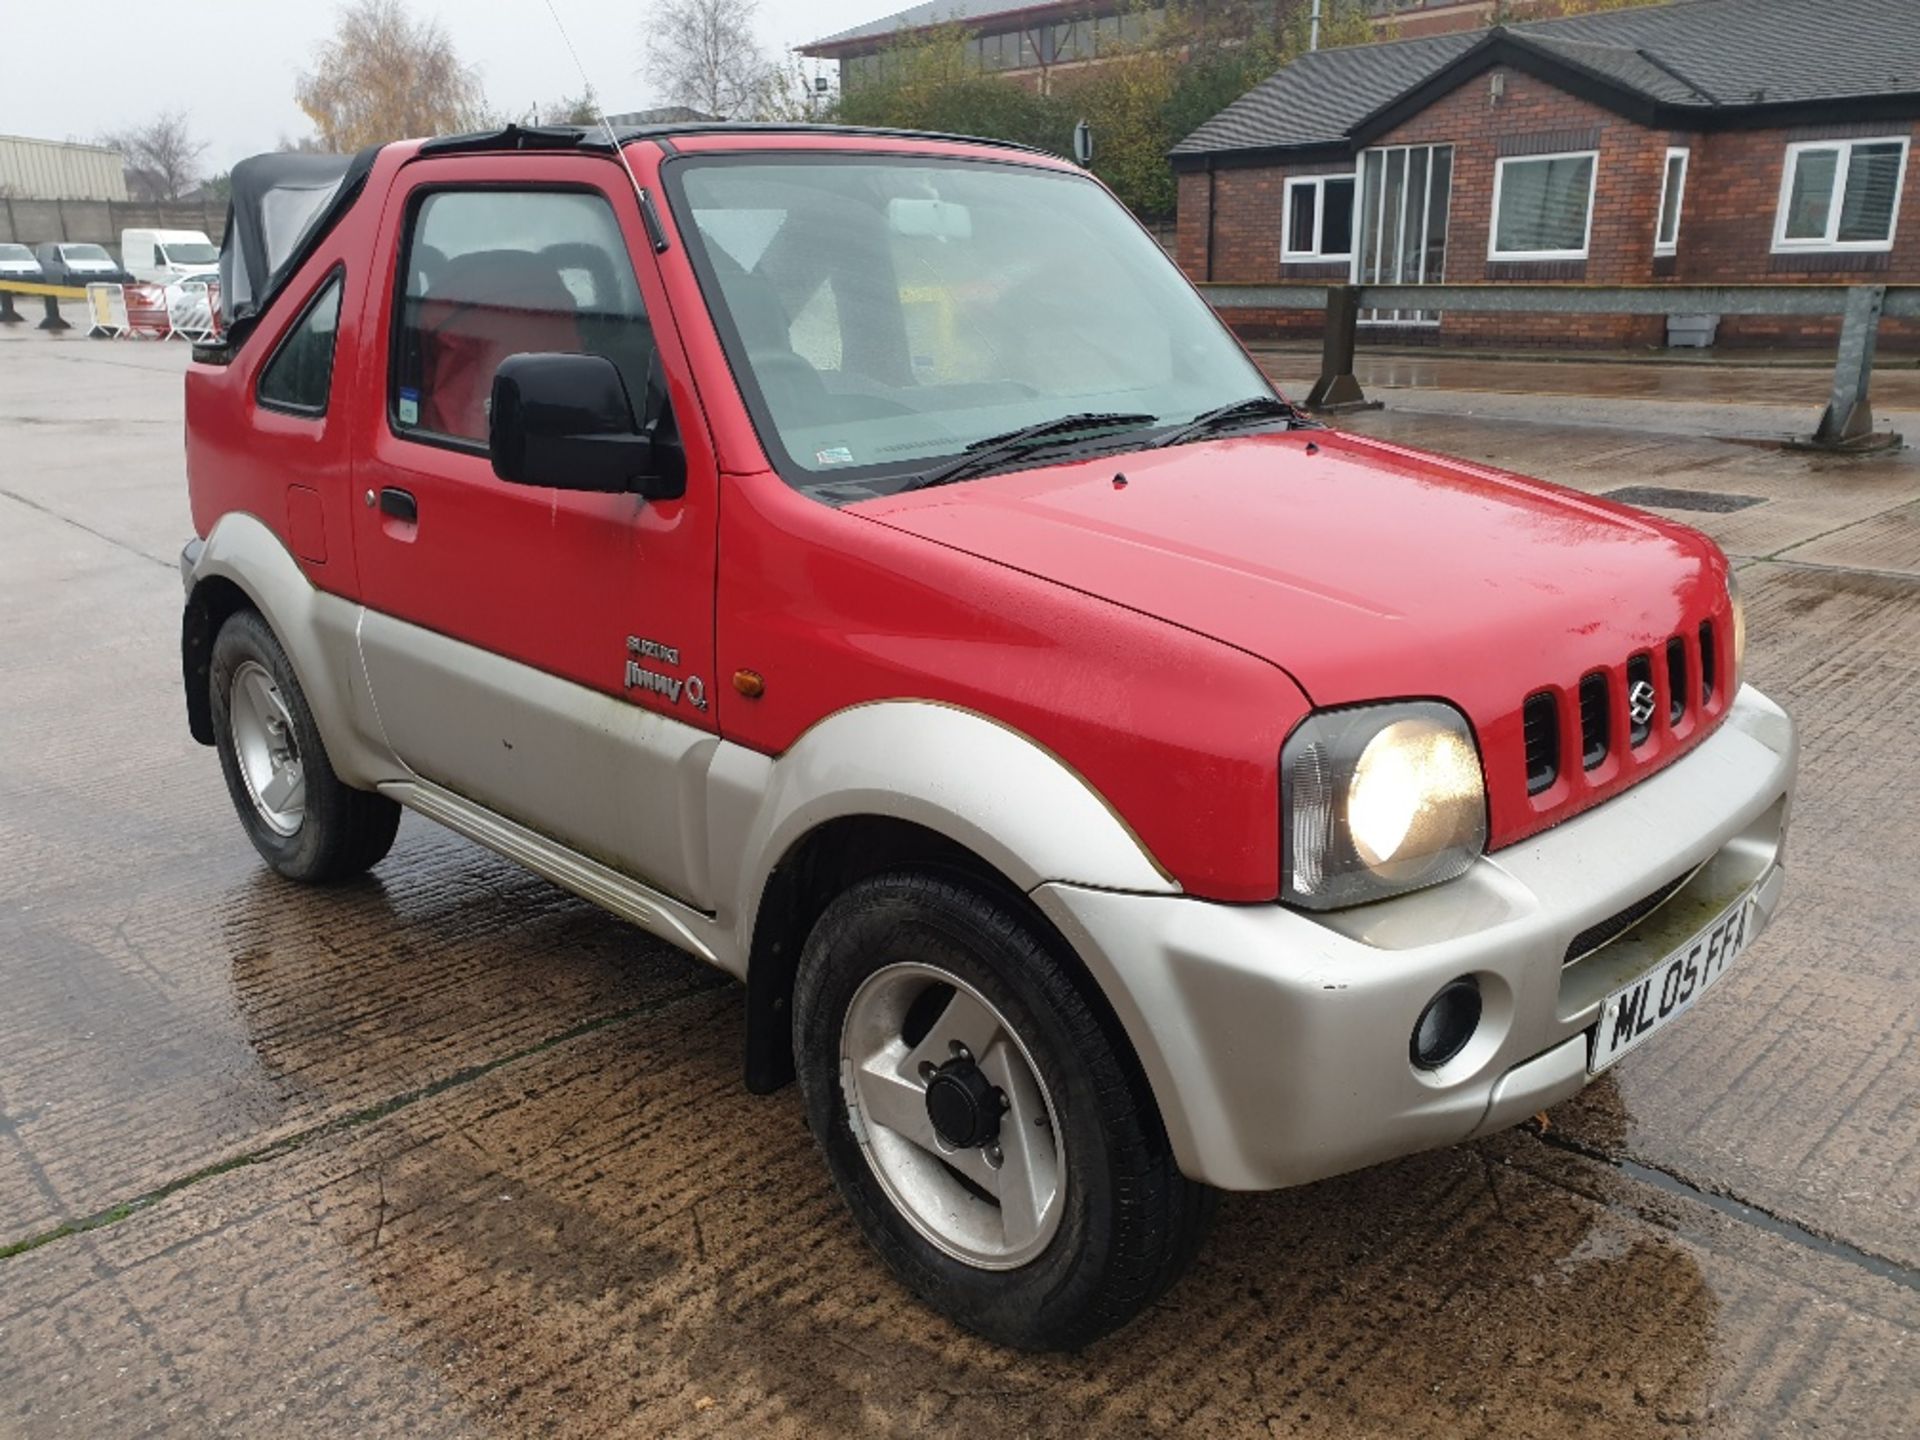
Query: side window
pixel 300 374
pixel 493 273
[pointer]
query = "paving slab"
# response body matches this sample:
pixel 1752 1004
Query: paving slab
pixel 445 1151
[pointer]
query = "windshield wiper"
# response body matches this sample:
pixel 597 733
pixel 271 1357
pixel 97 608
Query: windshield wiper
pixel 997 448
pixel 1221 416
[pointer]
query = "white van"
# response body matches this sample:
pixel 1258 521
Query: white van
pixel 162 256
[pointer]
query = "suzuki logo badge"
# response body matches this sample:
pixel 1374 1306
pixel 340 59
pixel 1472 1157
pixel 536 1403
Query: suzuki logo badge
pixel 1640 702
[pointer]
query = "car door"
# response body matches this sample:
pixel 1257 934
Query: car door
pixel 545 653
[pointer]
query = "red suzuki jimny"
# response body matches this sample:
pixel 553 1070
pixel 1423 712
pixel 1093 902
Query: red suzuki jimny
pixel 863 561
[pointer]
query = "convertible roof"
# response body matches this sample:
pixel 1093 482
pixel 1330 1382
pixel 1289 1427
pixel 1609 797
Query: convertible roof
pixel 282 206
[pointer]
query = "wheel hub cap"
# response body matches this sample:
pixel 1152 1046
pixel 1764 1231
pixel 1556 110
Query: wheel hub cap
pixel 953 1117
pixel 265 748
pixel 964 1105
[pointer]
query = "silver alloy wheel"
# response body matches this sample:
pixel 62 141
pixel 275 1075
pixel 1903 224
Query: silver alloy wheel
pixel 266 749
pixel 1007 1207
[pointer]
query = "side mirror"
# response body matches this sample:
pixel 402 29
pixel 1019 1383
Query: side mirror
pixel 565 421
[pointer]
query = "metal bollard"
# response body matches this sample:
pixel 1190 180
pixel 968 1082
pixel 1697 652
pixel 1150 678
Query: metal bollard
pixel 1337 389
pixel 53 320
pixel 9 315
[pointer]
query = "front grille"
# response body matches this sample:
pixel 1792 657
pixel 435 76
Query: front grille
pixel 1591 711
pixel 1541 723
pixel 1596 720
pixel 1614 926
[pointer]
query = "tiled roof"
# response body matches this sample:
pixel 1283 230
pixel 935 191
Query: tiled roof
pixel 937 12
pixel 1694 57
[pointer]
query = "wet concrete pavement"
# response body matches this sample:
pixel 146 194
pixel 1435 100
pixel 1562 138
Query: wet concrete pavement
pixel 446 1151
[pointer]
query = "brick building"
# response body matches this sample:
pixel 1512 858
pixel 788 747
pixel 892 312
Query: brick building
pixel 1031 42
pixel 1700 142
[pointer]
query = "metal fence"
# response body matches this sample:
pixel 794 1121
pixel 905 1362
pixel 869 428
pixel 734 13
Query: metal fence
pixel 1846 424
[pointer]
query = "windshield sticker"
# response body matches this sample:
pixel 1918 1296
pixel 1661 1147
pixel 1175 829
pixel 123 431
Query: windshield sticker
pixel 409 407
pixel 838 455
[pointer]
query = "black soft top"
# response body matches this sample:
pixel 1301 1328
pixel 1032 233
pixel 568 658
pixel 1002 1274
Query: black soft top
pixel 282 206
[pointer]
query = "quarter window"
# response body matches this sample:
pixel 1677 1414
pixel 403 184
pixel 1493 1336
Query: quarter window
pixel 1673 191
pixel 1840 195
pixel 1543 207
pixel 300 374
pixel 1319 218
pixel 493 273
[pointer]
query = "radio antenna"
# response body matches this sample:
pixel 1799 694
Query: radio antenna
pixel 594 96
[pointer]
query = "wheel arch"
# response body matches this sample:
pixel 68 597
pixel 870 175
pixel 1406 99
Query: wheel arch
pixel 912 784
pixel 245 565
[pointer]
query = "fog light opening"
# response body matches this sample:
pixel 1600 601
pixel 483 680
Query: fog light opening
pixel 1447 1024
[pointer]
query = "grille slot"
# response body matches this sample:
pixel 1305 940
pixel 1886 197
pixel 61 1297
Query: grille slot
pixel 1595 720
pixel 1709 662
pixel 1639 673
pixel 1540 722
pixel 1614 926
pixel 1676 680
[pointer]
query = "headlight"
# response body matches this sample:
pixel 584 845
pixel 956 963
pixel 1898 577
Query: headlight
pixel 1378 801
pixel 1739 628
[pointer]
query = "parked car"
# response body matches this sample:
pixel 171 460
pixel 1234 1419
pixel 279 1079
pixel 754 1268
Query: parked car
pixel 863 561
pixel 163 256
pixel 17 263
pixel 68 263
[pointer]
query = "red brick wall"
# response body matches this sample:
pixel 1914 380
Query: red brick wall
pixel 1726 228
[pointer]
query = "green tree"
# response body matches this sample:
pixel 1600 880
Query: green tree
pixel 1141 96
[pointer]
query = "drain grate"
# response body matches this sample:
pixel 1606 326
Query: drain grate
pixel 1716 502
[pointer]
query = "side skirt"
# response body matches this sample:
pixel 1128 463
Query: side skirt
pixel 668 919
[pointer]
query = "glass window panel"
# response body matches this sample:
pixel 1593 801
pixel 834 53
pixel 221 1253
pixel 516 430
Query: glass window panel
pixel 1669 226
pixel 1416 213
pixel 1810 198
pixel 1396 184
pixel 1300 218
pixel 1440 192
pixel 1370 217
pixel 1866 208
pixel 300 374
pixel 1336 230
pixel 492 273
pixel 1543 205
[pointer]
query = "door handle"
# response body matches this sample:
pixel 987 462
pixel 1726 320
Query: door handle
pixel 400 504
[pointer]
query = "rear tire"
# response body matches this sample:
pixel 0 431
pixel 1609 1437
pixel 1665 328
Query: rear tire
pixel 302 819
pixel 898 968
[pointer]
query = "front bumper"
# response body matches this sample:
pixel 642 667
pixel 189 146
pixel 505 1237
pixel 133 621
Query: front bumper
pixel 1276 1041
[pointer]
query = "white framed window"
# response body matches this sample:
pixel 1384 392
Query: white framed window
pixel 1405 195
pixel 1543 206
pixel 1840 194
pixel 1318 219
pixel 1673 194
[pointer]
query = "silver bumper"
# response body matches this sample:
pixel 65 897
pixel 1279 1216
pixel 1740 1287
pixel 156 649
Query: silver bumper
pixel 1277 1042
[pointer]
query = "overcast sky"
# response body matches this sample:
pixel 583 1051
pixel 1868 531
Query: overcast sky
pixel 231 63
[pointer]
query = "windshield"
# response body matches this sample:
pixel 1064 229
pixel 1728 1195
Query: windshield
pixel 884 313
pixel 190 252
pixel 15 253
pixel 70 253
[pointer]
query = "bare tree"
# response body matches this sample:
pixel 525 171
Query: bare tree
pixel 162 158
pixel 386 76
pixel 709 59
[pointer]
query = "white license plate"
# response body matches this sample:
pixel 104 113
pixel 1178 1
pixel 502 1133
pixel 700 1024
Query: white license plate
pixel 1669 989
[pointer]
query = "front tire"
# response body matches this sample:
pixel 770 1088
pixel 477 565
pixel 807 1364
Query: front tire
pixel 302 819
pixel 994 1140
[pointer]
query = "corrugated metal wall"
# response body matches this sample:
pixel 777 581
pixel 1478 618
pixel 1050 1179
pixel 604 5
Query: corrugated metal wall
pixel 55 170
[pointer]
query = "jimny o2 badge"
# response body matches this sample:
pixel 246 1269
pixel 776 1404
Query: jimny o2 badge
pixel 642 676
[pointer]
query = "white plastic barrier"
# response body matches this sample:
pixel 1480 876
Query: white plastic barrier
pixel 190 312
pixel 107 310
